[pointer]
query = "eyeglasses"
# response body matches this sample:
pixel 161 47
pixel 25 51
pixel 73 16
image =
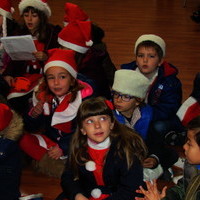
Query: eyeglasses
pixel 124 97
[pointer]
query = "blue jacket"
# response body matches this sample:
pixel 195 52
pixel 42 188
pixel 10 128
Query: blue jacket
pixel 142 125
pixel 165 95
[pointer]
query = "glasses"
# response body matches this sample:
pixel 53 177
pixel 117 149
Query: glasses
pixel 124 97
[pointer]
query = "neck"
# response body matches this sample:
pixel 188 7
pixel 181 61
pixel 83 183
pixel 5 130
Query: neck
pixel 99 146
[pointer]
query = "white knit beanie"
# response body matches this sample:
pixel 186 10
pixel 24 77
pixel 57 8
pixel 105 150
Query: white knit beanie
pixel 130 82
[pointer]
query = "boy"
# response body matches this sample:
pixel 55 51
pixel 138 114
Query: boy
pixel 129 91
pixel 165 93
pixel 188 188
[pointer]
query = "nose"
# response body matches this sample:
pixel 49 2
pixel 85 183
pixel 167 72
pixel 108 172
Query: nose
pixel 56 81
pixel 145 59
pixel 97 124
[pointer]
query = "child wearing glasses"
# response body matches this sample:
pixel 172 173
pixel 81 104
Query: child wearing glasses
pixel 129 91
pixel 165 93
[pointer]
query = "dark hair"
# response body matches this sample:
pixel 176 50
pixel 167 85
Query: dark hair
pixel 149 43
pixel 42 29
pixel 128 142
pixel 194 125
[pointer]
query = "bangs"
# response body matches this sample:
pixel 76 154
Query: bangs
pixel 32 9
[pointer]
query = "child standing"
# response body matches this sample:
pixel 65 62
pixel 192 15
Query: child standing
pixel 165 93
pixel 55 106
pixel 11 129
pixel 129 91
pixel 105 156
pixel 35 15
pixel 189 187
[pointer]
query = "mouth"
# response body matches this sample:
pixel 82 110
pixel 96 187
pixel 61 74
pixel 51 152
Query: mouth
pixel 98 134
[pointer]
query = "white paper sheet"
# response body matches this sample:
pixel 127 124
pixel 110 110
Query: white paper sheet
pixel 19 47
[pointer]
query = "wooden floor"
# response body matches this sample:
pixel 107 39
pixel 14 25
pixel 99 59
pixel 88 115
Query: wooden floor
pixel 123 22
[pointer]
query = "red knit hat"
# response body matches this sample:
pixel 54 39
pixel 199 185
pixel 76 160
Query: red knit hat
pixel 73 12
pixel 76 36
pixel 62 58
pixel 5 9
pixel 5 116
pixel 38 4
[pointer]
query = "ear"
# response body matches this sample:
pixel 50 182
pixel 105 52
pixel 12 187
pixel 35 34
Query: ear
pixel 112 125
pixel 161 62
pixel 83 131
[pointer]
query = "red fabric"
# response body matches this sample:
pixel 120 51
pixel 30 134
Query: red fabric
pixel 5 116
pixel 98 156
pixel 30 145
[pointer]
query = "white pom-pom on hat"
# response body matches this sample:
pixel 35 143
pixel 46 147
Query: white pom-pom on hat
pixel 90 166
pixel 96 193
pixel 89 43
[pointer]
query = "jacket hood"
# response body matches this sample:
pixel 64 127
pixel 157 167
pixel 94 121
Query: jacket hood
pixel 15 129
pixel 168 69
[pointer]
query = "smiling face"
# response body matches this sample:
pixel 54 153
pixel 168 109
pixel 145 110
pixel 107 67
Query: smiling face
pixel 59 80
pixel 147 60
pixel 192 149
pixel 31 20
pixel 97 127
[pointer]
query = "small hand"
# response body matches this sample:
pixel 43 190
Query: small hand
pixel 40 55
pixel 37 110
pixel 9 80
pixel 55 152
pixel 150 162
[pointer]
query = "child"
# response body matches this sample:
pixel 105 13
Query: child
pixel 189 187
pixel 11 129
pixel 19 74
pixel 165 93
pixel 52 118
pixel 105 157
pixel 129 91
pixel 94 63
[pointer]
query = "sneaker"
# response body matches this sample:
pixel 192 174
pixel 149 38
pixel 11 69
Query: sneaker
pixel 150 174
pixel 177 178
pixel 38 196
pixel 180 163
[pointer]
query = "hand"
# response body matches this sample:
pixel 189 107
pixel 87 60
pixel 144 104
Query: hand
pixel 9 80
pixel 40 55
pixel 55 152
pixel 152 192
pixel 150 162
pixel 37 110
pixel 79 196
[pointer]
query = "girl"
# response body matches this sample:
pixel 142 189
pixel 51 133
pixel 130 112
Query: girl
pixel 55 104
pixel 105 157
pixel 189 187
pixel 35 15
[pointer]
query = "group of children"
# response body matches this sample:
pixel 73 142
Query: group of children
pixel 100 129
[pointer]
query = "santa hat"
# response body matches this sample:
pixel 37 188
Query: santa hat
pixel 62 58
pixel 38 4
pixel 73 12
pixel 130 82
pixel 5 9
pixel 151 37
pixel 76 36
pixel 5 116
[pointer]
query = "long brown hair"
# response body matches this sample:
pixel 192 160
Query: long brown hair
pixel 129 143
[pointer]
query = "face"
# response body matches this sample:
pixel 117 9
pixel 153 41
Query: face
pixel 31 20
pixel 59 80
pixel 97 127
pixel 147 60
pixel 125 107
pixel 192 149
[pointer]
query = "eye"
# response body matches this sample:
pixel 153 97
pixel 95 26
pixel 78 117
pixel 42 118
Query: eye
pixel 50 77
pixel 152 56
pixel 89 121
pixel 140 55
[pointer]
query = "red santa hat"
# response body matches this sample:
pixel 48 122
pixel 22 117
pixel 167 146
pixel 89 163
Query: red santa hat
pixel 5 116
pixel 62 58
pixel 38 4
pixel 76 36
pixel 5 9
pixel 73 12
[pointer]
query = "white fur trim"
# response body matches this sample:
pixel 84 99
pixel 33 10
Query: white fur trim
pixel 63 64
pixel 96 193
pixel 5 14
pixel 151 37
pixel 36 4
pixel 186 104
pixel 89 43
pixel 28 197
pixel 90 166
pixel 72 46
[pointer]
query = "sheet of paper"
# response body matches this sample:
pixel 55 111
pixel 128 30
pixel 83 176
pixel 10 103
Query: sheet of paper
pixel 19 47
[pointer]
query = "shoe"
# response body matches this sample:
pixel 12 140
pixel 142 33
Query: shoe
pixel 151 174
pixel 177 178
pixel 180 163
pixel 38 196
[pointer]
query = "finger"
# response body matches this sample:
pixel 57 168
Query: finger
pixel 163 193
